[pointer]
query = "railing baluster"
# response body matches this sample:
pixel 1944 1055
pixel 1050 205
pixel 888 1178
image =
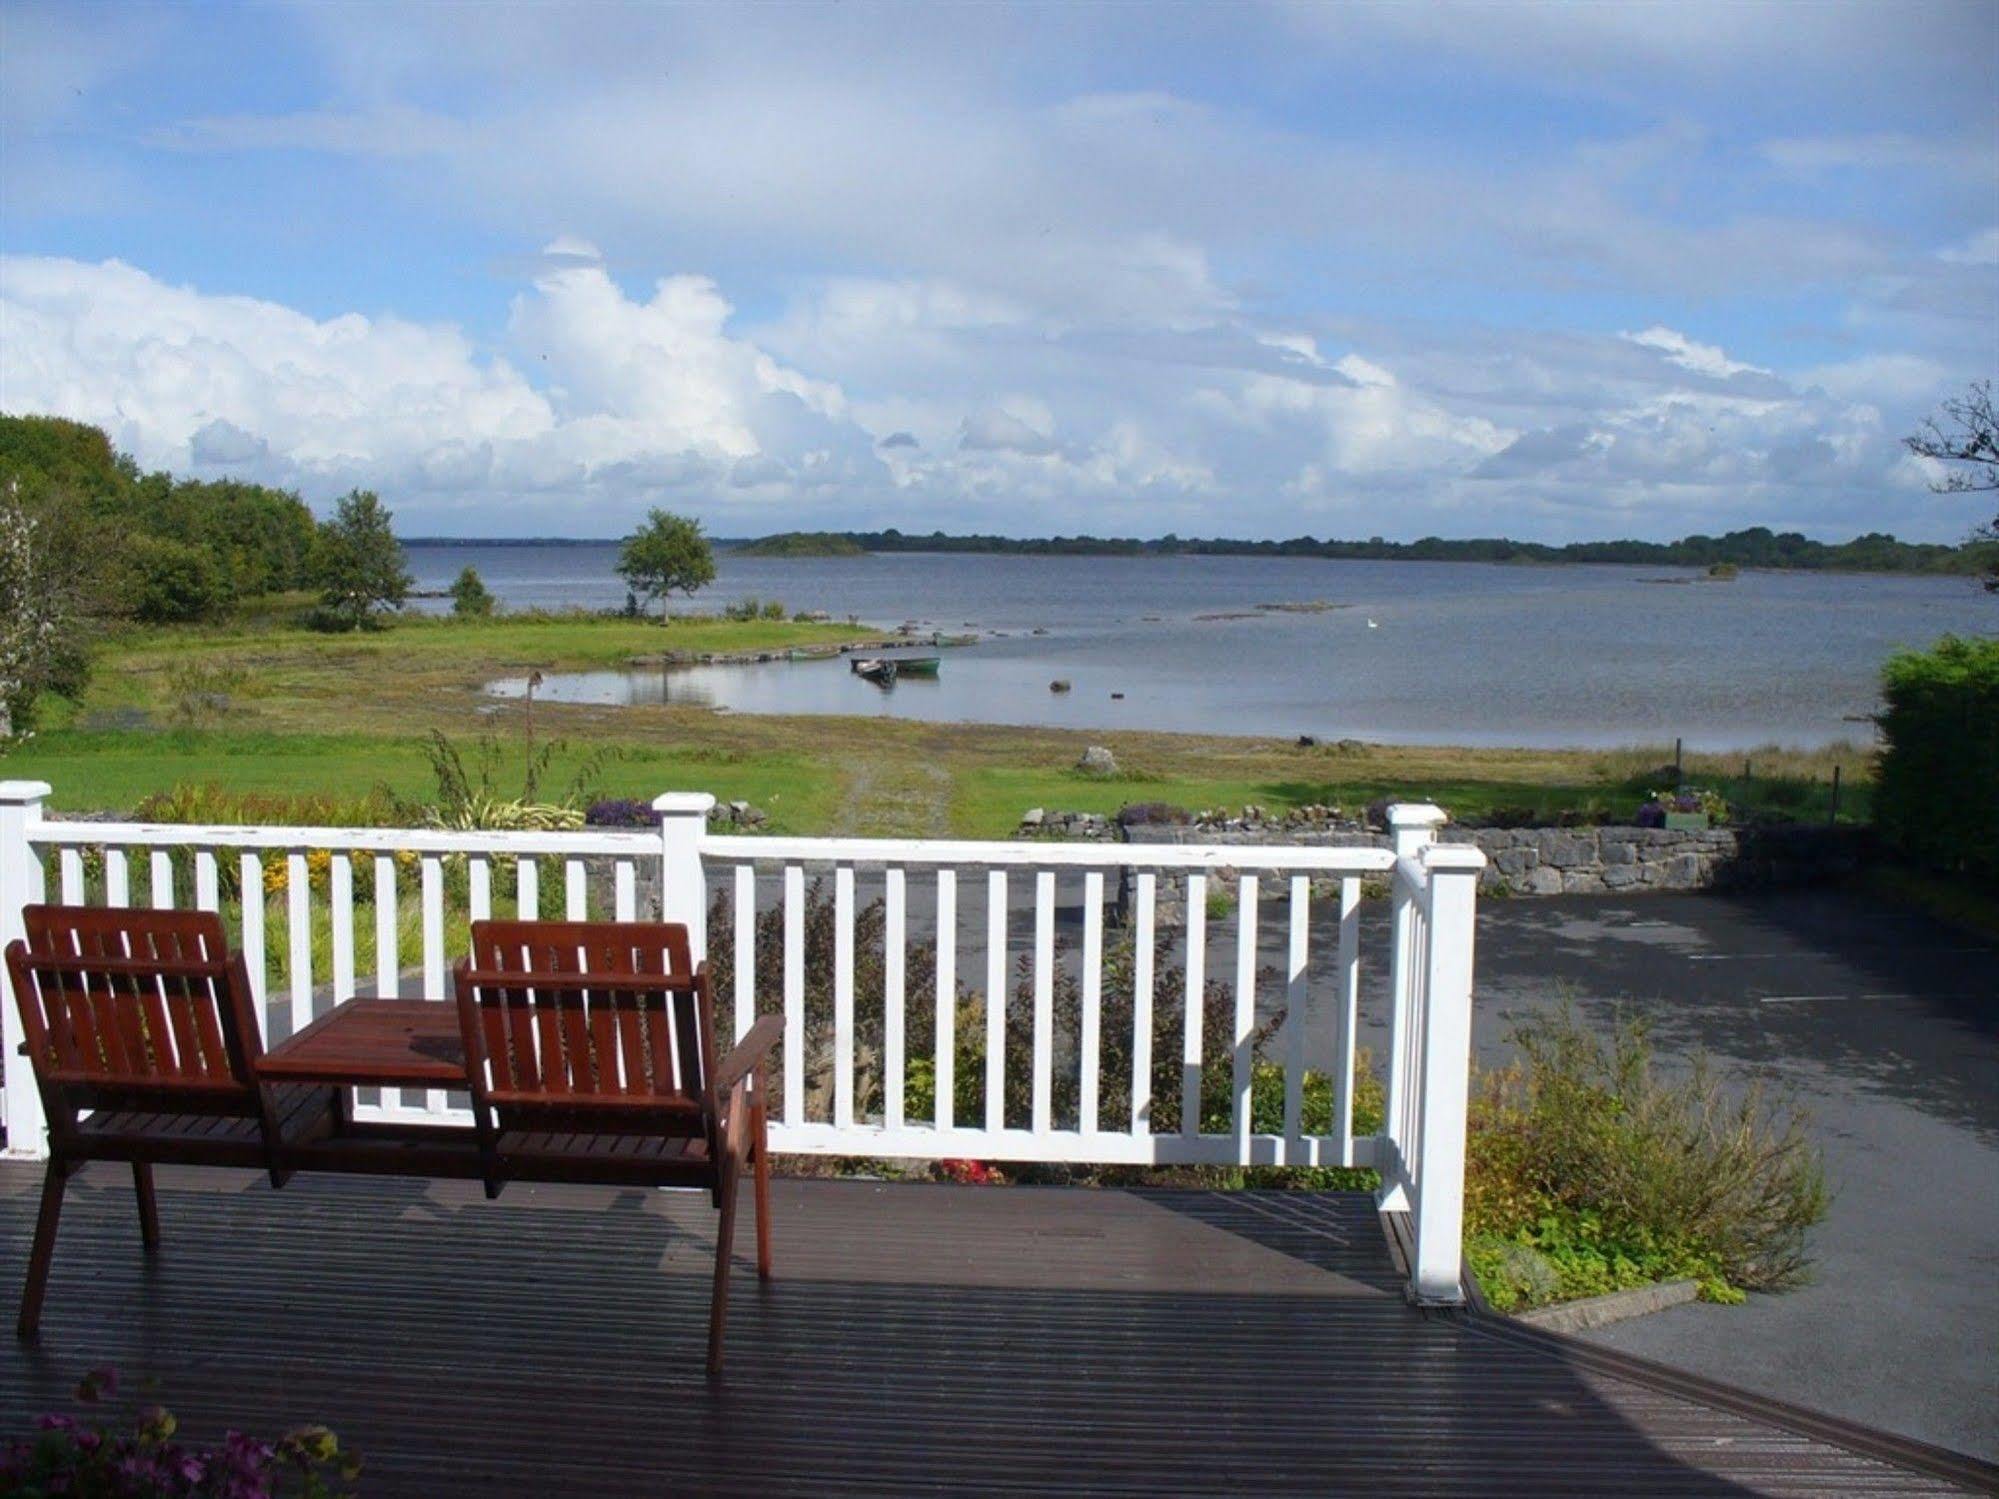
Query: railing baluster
pixel 117 879
pixel 843 997
pixel 340 900
pixel 746 948
pixel 1295 999
pixel 1088 1046
pixel 625 891
pixel 1044 1000
pixel 527 888
pixel 1196 1003
pixel 298 938
pixel 72 876
pixel 996 1000
pixel 388 939
pixel 794 995
pixel 207 882
pixel 1243 1060
pixel 1141 1004
pixel 433 951
pixel 576 893
pixel 250 868
pixel 892 999
pixel 479 887
pixel 163 880
pixel 1348 1004
pixel 947 993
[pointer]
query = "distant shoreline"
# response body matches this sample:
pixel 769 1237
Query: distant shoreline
pixel 1756 549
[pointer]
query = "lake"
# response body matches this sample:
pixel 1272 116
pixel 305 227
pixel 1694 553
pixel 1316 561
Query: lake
pixel 1415 652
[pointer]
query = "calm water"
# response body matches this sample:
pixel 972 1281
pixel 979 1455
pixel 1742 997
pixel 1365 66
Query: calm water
pixel 1459 653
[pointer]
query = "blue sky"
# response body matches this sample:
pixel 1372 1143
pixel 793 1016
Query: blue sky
pixel 1557 271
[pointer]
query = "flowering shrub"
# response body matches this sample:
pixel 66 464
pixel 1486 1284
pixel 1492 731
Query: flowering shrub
pixel 92 1460
pixel 971 1173
pixel 621 812
pixel 1652 814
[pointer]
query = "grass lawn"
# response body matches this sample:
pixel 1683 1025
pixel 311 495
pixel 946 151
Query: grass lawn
pixel 266 707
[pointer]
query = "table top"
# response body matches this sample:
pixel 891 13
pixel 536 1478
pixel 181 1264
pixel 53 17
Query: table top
pixel 373 1042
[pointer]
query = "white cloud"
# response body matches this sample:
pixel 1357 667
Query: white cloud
pixel 1702 359
pixel 918 403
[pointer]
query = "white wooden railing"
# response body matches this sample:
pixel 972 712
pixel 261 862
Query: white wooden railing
pixel 1025 1046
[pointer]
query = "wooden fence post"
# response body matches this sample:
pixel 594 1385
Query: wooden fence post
pixel 1444 1053
pixel 20 810
pixel 1412 828
pixel 683 887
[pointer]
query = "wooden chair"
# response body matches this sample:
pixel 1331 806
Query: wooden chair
pixel 144 1020
pixel 591 1051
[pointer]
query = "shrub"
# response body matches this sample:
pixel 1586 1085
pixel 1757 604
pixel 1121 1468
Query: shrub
pixel 94 1458
pixel 620 812
pixel 1615 1177
pixel 773 608
pixel 200 692
pixel 1934 798
pixel 172 582
pixel 470 598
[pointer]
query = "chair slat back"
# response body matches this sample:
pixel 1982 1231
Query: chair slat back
pixel 580 1014
pixel 144 1006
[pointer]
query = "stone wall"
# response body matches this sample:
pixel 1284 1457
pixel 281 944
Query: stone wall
pixel 1600 860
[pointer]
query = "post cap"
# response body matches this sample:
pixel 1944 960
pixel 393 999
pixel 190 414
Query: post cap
pixel 1417 815
pixel 1453 858
pixel 683 804
pixel 20 793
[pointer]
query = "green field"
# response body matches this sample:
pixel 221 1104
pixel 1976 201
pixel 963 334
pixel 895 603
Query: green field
pixel 263 706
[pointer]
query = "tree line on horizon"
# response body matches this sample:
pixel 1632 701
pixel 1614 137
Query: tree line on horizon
pixel 1753 546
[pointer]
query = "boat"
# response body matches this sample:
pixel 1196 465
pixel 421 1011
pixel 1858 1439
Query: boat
pixel 883 670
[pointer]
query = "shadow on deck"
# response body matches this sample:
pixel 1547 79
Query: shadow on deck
pixel 919 1337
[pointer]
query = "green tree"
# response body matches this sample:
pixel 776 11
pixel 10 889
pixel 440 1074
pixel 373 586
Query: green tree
pixel 667 554
pixel 172 582
pixel 357 563
pixel 1965 438
pixel 469 596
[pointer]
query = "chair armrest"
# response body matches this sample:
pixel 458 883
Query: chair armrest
pixel 748 1054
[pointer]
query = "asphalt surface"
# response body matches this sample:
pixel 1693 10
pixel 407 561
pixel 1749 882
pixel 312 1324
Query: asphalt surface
pixel 1886 1025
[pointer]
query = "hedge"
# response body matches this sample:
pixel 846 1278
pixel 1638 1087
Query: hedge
pixel 1937 799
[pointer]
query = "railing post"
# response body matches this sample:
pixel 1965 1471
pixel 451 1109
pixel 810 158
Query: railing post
pixel 683 887
pixel 1444 1050
pixel 1412 828
pixel 20 810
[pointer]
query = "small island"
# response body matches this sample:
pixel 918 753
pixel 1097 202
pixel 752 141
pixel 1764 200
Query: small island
pixel 802 544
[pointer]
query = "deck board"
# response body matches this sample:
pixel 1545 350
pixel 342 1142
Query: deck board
pixel 921 1338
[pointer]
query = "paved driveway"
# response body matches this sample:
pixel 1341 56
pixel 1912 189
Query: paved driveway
pixel 1887 1024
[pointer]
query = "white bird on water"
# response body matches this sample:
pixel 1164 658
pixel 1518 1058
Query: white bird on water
pixel 1372 625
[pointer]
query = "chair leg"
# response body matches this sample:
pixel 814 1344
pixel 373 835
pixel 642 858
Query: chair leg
pixel 725 1237
pixel 149 1207
pixel 53 1182
pixel 761 1145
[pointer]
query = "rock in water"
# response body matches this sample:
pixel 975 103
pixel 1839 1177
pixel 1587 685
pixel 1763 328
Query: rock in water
pixel 1060 684
pixel 1097 761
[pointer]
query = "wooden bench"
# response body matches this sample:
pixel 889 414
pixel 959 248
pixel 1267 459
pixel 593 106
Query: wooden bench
pixel 587 1048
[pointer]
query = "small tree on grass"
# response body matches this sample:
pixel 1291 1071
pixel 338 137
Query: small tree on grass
pixel 666 555
pixel 469 596
pixel 357 563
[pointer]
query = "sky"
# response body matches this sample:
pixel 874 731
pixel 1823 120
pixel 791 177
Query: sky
pixel 1557 271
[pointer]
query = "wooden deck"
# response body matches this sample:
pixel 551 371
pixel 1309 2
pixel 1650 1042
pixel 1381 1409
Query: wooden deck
pixel 919 1338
